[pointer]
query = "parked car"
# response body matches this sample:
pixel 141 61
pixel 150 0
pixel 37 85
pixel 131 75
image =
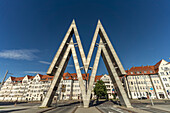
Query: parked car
pixel 139 98
pixel 144 97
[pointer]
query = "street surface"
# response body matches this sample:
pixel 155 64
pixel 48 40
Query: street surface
pixel 95 107
pixel 64 108
pixel 108 107
pixel 150 108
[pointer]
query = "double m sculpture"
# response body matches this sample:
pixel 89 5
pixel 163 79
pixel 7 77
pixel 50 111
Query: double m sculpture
pixel 105 49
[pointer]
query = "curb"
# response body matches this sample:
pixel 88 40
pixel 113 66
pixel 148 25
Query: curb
pixel 159 109
pixel 127 109
pixel 74 109
pixel 46 110
pixel 99 109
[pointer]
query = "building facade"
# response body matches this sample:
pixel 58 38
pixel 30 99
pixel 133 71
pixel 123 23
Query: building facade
pixel 148 81
pixel 139 82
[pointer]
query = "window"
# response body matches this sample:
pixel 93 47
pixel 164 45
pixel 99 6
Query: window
pixel 160 87
pixel 164 79
pixel 167 85
pixel 131 72
pixel 156 87
pixel 151 71
pixel 166 68
pixel 158 81
pixel 137 72
pixel 144 71
pixel 167 73
pixel 162 73
pixel 155 81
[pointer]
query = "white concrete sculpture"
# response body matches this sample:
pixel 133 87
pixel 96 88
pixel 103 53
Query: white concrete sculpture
pixel 105 49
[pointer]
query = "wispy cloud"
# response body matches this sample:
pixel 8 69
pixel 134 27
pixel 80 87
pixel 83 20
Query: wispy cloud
pixel 44 62
pixel 34 72
pixel 21 54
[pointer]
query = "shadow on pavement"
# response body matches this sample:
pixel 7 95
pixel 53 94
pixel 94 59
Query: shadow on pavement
pixel 10 103
pixel 7 111
pixel 96 103
pixel 116 102
pixel 66 104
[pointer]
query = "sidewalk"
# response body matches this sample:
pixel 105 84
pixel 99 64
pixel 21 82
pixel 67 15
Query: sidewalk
pixel 133 110
pixel 162 107
pixel 87 110
pixel 23 109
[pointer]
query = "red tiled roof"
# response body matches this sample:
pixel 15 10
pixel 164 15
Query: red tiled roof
pixel 157 64
pixel 13 78
pixel 18 78
pixel 46 77
pixel 68 76
pixel 140 70
pixel 97 78
pixel 40 75
pixel 30 77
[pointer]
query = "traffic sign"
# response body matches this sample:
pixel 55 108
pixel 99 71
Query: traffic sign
pixel 151 88
pixel 113 90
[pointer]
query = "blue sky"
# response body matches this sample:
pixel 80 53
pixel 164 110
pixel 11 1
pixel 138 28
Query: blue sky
pixel 31 31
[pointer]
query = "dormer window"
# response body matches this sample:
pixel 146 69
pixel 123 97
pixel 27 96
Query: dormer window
pixel 137 72
pixel 151 71
pixel 131 72
pixel 144 71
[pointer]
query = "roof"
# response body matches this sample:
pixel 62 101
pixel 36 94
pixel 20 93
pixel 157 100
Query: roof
pixel 73 76
pixel 12 78
pixel 46 78
pixel 30 77
pixel 97 78
pixel 144 70
pixel 157 64
pixel 18 79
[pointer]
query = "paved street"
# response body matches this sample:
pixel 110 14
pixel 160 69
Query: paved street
pixel 112 107
pixel 108 107
pixel 96 107
pixel 149 108
pixel 65 108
